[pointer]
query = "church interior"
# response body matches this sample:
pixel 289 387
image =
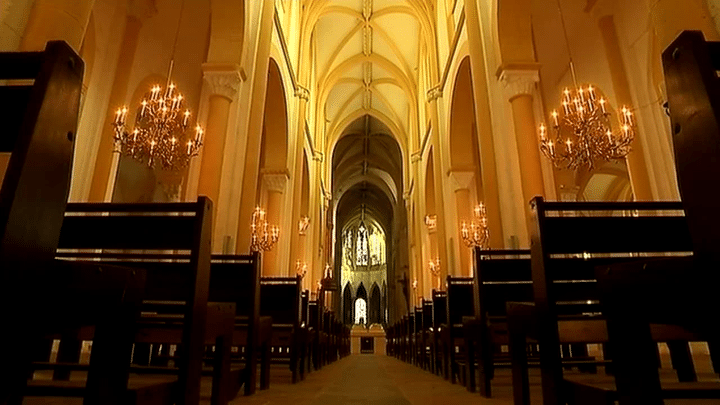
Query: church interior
pixel 398 199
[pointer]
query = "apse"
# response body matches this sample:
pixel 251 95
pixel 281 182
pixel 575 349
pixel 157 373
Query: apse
pixel 370 221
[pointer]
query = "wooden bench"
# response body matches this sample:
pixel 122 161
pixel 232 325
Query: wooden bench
pixel 280 300
pixel 677 291
pixel 459 305
pixel 439 318
pixel 40 297
pixel 568 241
pixel 171 241
pixel 236 279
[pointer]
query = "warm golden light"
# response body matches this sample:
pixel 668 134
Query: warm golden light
pixel 477 232
pixel 583 133
pixel 263 235
pixel 160 126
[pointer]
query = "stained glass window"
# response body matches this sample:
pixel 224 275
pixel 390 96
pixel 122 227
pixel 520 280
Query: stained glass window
pixel 347 248
pixel 361 248
pixel 377 247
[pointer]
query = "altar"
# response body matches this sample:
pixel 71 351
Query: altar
pixel 367 340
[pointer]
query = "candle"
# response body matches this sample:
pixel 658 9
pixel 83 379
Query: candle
pixel 187 115
pixel 555 118
pixel 609 135
pixel 118 113
pixel 591 92
pixel 569 145
pixel 189 147
pixel 566 94
pixel 581 95
pixel 552 148
pixel 142 110
pixel 542 132
pixel 566 107
pixel 602 105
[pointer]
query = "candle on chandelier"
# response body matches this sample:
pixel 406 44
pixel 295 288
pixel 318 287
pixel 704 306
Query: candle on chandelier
pixel 569 146
pixel 118 114
pixel 198 134
pixel 542 132
pixel 189 147
pixel 142 110
pixel 566 94
pixel 609 135
pixel 591 92
pixel 602 105
pixel 566 107
pixel 551 148
pixel 554 114
pixel 187 115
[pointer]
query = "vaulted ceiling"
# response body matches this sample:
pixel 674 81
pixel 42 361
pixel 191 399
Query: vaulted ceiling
pixel 366 55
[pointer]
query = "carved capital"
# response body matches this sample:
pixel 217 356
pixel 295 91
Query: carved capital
pixel 275 180
pixel 434 93
pixel 302 92
pixel 416 157
pixel 318 156
pixel 519 82
pixel 461 180
pixel 141 9
pixel 223 80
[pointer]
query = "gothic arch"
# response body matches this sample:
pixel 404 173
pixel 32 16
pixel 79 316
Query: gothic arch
pixel 375 305
pixel 347 304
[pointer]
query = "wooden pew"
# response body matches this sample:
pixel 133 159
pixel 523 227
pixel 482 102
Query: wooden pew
pixel 677 291
pixel 40 297
pixel 236 279
pixel 500 276
pixel 459 305
pixel 280 299
pixel 171 241
pixel 427 328
pixel 439 318
pixel 319 337
pixel 568 241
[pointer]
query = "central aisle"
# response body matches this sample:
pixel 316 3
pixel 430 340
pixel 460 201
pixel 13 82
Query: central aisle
pixel 369 379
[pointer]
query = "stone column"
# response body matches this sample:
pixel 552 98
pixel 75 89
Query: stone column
pixel 274 183
pixel 57 19
pixel 519 85
pixel 637 166
pixel 222 82
pixel 138 11
pixel 461 183
pixel 255 123
pixel 488 169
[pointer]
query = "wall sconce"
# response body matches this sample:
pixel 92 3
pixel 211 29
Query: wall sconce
pixel 301 268
pixel 431 222
pixel 434 266
pixel 328 271
pixel 303 225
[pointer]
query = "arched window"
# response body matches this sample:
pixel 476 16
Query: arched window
pixel 361 311
pixel 347 244
pixel 362 246
pixel 377 247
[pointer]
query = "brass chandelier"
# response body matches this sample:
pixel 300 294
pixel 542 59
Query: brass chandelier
pixel 263 235
pixel 159 138
pixel 477 233
pixel 582 131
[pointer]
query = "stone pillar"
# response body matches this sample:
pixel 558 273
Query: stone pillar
pixel 255 124
pixel 222 83
pixel 519 85
pixel 461 183
pixel 488 169
pixel 58 19
pixel 274 183
pixel 137 12
pixel 637 166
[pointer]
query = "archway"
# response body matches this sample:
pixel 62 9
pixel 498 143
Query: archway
pixel 273 175
pixel 431 247
pixel 375 315
pixel 347 309
pixel 361 310
pixel 464 173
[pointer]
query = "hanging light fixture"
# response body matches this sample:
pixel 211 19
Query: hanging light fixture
pixel 582 130
pixel 263 236
pixel 160 135
pixel 477 234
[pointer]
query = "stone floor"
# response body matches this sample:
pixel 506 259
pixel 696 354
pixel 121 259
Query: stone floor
pixel 373 379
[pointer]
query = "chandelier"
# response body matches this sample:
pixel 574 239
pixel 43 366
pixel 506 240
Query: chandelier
pixel 159 137
pixel 263 236
pixel 582 130
pixel 477 234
